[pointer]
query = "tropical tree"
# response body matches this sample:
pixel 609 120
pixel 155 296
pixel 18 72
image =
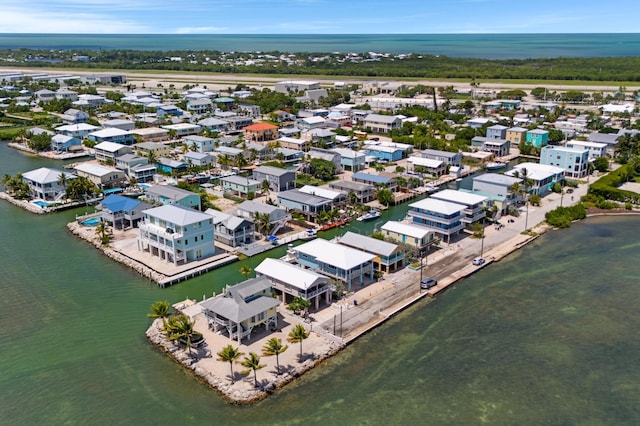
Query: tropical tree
pixel 180 328
pixel 265 187
pixel 102 229
pixel 160 309
pixel 385 197
pixel 274 347
pixel 229 354
pixel 252 362
pixel 225 161
pixel 297 335
pixel 527 182
pixel 152 157
pixel 240 161
pixel 298 304
pixel 246 270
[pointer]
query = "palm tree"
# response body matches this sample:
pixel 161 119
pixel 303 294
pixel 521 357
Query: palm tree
pixel 240 161
pixel 526 181
pixel 160 309
pixel 274 347
pixel 297 335
pixel 103 231
pixel 252 362
pixel 62 180
pixel 180 327
pixel 152 156
pixel 246 270
pixel 225 161
pixel 265 187
pixel 229 354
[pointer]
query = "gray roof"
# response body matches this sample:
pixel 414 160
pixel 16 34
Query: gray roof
pixel 228 220
pixel 178 215
pixel 303 198
pixel 379 118
pixel 350 185
pixel 273 171
pixel 240 180
pixel 254 206
pixel 233 306
pixel 438 153
pixel 608 138
pixel 368 244
pixel 497 179
pixel 169 192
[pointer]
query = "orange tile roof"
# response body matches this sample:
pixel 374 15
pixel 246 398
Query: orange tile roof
pixel 260 127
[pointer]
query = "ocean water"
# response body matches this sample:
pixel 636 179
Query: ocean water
pixel 488 46
pixel 547 336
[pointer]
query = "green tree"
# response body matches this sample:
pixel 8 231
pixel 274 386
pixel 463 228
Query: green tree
pixel 40 142
pixel 180 328
pixel 297 335
pixel 274 347
pixel 252 362
pixel 385 197
pixel 102 229
pixel 246 270
pixel 229 354
pixel 160 309
pixel 322 169
pixel 298 304
pixel 265 187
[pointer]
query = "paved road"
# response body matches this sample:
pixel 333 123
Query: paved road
pixel 443 264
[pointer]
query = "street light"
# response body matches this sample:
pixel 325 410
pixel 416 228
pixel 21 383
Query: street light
pixel 421 251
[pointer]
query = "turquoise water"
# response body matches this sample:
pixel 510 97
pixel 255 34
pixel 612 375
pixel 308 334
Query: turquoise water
pixel 489 46
pixel 94 221
pixel 42 204
pixel 548 336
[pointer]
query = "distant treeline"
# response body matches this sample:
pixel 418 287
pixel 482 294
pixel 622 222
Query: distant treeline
pixel 411 66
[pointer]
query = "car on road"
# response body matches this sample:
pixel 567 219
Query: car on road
pixel 478 261
pixel 570 191
pixel 427 283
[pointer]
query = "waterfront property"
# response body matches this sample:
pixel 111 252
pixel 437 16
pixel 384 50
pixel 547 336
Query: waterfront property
pixel 451 158
pixel 170 195
pixel 595 149
pixel 441 217
pixel 387 182
pixel 388 256
pixel 516 135
pixel 574 161
pixel 109 151
pixel 543 177
pixel 292 280
pixel 80 130
pixel 232 230
pixel 498 147
pixel 336 261
pixel 119 210
pixel 241 308
pixel 112 134
pixel 46 184
pixel 307 204
pixel 473 204
pixel 499 186
pixel 362 191
pixel 537 137
pixel 415 236
pixel 176 234
pixel 64 143
pixel 103 177
pixel 435 168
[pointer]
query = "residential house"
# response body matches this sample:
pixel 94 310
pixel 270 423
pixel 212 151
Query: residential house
pixel 295 86
pixel 363 192
pixel 65 93
pixel 537 137
pixel 164 110
pixel 151 134
pixel 107 152
pixel 199 106
pixel 498 188
pixel 75 116
pixel 498 147
pixel 337 261
pixel 241 308
pixel 416 236
pixel 442 217
pixel 294 281
pixel 327 155
pixel 288 156
pixel 240 185
pixel 118 123
pixel 170 195
pixel 46 184
pixel 248 209
pixel 183 129
pixel 64 143
pixel 387 182
pixel 350 159
pixel 136 167
pixel 307 204
pixel 200 143
pixel 198 159
pixel 238 123
pixel 80 130
pixel 45 95
pixel 323 138
pixel 279 179
pixel 389 257
pixel 595 149
pixel 382 123
pixel 541 176
pixel 89 101
pixel 260 132
pixel 308 123
pixel 450 158
pixel 575 161
pixel 114 135
pixel 294 143
pixel 231 230
pixel 176 234
pixel 214 124
pixel 420 165
pixel 289 132
pixel 121 211
pixel 103 177
pixel 474 204
pixel 159 150
pixel 249 110
pixel 170 166
pixel 497 131
pixel 516 135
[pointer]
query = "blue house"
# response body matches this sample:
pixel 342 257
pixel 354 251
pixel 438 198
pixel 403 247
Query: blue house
pixel 63 143
pixel 164 110
pixel 497 132
pixel 113 134
pixel 441 217
pixel 168 165
pixel 343 263
pixel 117 209
pixel 170 195
pixel 385 152
pixel 351 160
pixel 574 161
pixel 537 137
pixel 375 180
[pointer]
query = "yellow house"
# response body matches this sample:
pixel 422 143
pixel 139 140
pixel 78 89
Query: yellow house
pixel 515 135
pixel 416 236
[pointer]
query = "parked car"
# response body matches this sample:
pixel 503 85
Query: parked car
pixel 478 261
pixel 427 283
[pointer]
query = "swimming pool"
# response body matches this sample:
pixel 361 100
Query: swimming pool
pixel 94 221
pixel 42 204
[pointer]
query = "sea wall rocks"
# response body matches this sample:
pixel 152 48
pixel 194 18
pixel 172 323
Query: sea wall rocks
pixel 30 207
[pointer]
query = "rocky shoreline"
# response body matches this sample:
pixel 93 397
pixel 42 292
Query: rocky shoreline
pixel 234 393
pixel 28 206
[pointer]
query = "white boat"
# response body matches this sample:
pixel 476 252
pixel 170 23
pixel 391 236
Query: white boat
pixel 496 166
pixel 373 214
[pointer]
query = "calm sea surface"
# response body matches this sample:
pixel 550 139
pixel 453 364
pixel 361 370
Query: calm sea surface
pixel 489 46
pixel 549 336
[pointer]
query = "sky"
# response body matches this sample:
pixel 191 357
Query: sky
pixel 318 16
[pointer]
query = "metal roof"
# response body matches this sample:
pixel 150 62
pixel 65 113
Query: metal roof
pixel 333 254
pixel 178 215
pixel 367 244
pixel 288 273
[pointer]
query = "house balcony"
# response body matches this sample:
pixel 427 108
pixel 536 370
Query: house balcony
pixel 432 218
pixel 472 215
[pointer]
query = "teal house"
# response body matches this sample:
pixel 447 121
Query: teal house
pixel 537 137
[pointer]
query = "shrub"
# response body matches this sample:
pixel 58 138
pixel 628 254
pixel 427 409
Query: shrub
pixel 563 216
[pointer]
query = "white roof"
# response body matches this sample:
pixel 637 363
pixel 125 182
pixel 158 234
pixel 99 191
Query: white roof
pixel 459 197
pixel 178 215
pixel 536 171
pixel 320 192
pixel 110 146
pixel 109 132
pixel 337 255
pixel 368 244
pixel 437 206
pixel 587 144
pixel 293 140
pixel 425 162
pixel 45 175
pixel 314 120
pixel 348 153
pixel 95 169
pixel 288 273
pixel 414 231
pixel 181 126
pixel 76 127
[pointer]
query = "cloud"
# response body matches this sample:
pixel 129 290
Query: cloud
pixel 200 30
pixel 23 21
